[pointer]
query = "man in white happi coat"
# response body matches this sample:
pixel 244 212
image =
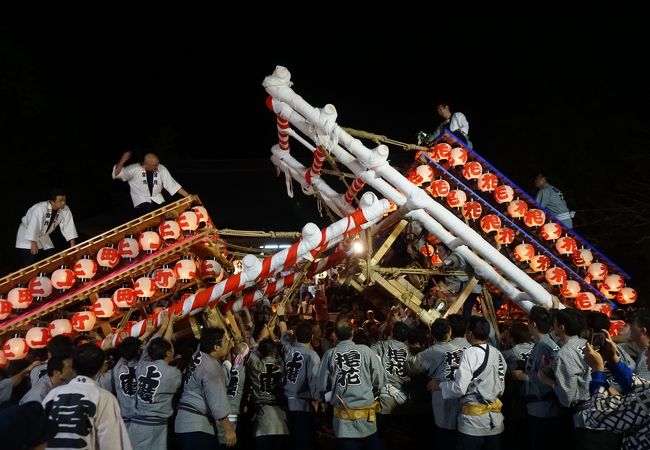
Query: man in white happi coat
pixel 33 238
pixel 146 182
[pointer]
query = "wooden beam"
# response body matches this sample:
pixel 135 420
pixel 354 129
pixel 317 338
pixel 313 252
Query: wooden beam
pixel 230 318
pixel 381 251
pixel 460 300
pixel 490 313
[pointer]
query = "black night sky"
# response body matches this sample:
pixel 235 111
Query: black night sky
pixel 73 98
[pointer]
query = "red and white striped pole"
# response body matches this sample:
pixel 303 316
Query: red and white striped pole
pixel 354 189
pixel 317 165
pixel 282 125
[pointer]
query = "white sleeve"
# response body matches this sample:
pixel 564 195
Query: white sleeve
pixel 125 174
pixel 67 225
pixel 168 182
pixel 458 121
pixel 33 220
pixel 462 377
pixel 111 432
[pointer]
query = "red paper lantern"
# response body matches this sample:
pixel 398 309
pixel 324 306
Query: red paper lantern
pixel 570 289
pixel 128 248
pixel 540 263
pixel 488 182
pixel 555 276
pixel 604 308
pixel 626 296
pixel 40 287
pixel 188 221
pixel 603 290
pixel 504 236
pixel 534 218
pixel 124 297
pixel 86 268
pixel 37 337
pixel 422 174
pixel 456 198
pixel 551 231
pixel 63 279
pixel 203 216
pixel 103 308
pixel 439 188
pixel 597 271
pixel 211 271
pixel 169 230
pixel 615 327
pixel 15 348
pixel 164 278
pixel 20 297
pixel 472 170
pixel 524 252
pixel 144 287
pixel 436 260
pixel 585 301
pixel 427 250
pixel 614 283
pixel 517 208
pixel 504 194
pixel 490 223
pixel 441 152
pixel 565 245
pixel 186 269
pixel 108 257
pixel 472 210
pixel 458 156
pixel 149 241
pixel 582 257
pixel 60 326
pixel 83 321
pixel 5 309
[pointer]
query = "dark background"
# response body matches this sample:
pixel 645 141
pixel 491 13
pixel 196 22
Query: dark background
pixel 569 102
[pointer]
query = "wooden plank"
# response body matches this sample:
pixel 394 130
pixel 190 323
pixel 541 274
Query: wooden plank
pixel 490 313
pixel 458 303
pixel 230 319
pixel 381 251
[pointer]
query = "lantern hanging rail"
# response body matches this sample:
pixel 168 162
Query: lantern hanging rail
pixel 380 138
pixel 520 230
pixel 448 135
pixel 250 233
pixel 113 278
pixel 408 271
pixel 70 255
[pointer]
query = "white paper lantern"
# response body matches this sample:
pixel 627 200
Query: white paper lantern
pixel 504 236
pixel 539 263
pixel 169 230
pixel 85 269
pixel 164 278
pixel 504 194
pixel 488 182
pixel 517 208
pixel 5 309
pixel 570 289
pixel 441 152
pixel 472 210
pixel 150 241
pixel 524 252
pixel 83 321
pixel 124 297
pixel 40 286
pixel 211 271
pixel 456 198
pixel 188 221
pixel 103 308
pixel 60 326
pixel 490 223
pixel 144 287
pixel 582 257
pixel 63 279
pixel 15 348
pixel 458 156
pixel 614 283
pixel 626 296
pixel 551 231
pixel 422 174
pixel 555 276
pixel 585 301
pixel 186 269
pixel 472 170
pixel 202 214
pixel 37 337
pixel 565 245
pixel 534 218
pixel 20 297
pixel 597 271
pixel 108 257
pixel 439 188
pixel 128 248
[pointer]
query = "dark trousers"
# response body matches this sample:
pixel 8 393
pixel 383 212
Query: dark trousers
pixel 25 257
pixel 302 427
pixel 541 436
pixel 468 442
pixel 273 442
pixel 197 441
pixel 371 442
pixel 445 439
pixel 146 207
pixel 586 439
